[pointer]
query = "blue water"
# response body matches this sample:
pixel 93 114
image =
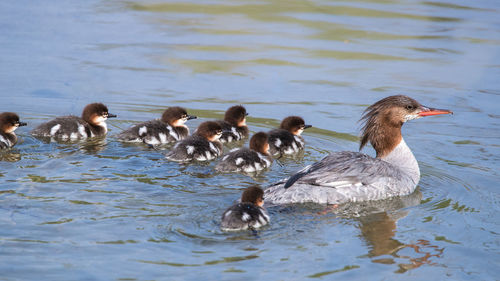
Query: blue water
pixel 106 210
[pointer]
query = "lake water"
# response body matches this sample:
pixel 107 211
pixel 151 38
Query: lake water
pixel 105 210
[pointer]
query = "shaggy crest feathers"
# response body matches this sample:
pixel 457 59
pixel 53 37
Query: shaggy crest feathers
pixel 383 129
pixel 252 194
pixel 235 114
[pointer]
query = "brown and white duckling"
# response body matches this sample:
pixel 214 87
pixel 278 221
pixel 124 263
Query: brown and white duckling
pixel 170 128
pixel 9 122
pixel 91 124
pixel 234 125
pixel 348 176
pixel 248 214
pixel 202 145
pixel 287 139
pixel 248 160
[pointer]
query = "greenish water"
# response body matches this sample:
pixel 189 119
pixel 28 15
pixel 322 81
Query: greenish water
pixel 106 210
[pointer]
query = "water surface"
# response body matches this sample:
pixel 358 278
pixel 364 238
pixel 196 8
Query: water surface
pixel 105 210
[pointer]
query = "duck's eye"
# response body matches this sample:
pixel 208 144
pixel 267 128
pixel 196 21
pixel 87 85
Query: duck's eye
pixel 410 107
pixel 184 116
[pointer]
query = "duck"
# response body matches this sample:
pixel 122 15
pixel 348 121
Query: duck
pixel 234 124
pixel 348 176
pixel 287 140
pixel 91 124
pixel 9 122
pixel 202 145
pixel 170 128
pixel 248 214
pixel 248 160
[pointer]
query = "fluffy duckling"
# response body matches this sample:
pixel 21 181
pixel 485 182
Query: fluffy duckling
pixel 91 124
pixel 248 160
pixel 170 128
pixel 203 145
pixel 249 214
pixel 9 122
pixel 234 124
pixel 287 139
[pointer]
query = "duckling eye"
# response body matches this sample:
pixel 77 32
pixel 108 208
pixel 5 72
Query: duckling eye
pixel 410 107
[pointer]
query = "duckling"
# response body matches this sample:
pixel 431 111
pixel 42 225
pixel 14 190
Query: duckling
pixel 234 124
pixel 91 124
pixel 249 214
pixel 9 122
pixel 203 145
pixel 170 128
pixel 248 160
pixel 287 139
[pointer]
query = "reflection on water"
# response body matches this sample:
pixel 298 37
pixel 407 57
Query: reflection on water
pixel 378 227
pixel 379 230
pixel 88 146
pixel 10 156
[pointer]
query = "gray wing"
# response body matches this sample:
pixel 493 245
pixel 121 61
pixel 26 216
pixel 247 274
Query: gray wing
pixel 345 168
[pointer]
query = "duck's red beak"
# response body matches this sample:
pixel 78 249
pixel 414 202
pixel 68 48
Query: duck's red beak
pixel 433 111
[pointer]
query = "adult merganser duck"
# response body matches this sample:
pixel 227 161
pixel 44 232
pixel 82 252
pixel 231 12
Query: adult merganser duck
pixel 248 214
pixel 234 125
pixel 202 145
pixel 91 124
pixel 170 128
pixel 352 176
pixel 9 122
pixel 287 139
pixel 248 160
